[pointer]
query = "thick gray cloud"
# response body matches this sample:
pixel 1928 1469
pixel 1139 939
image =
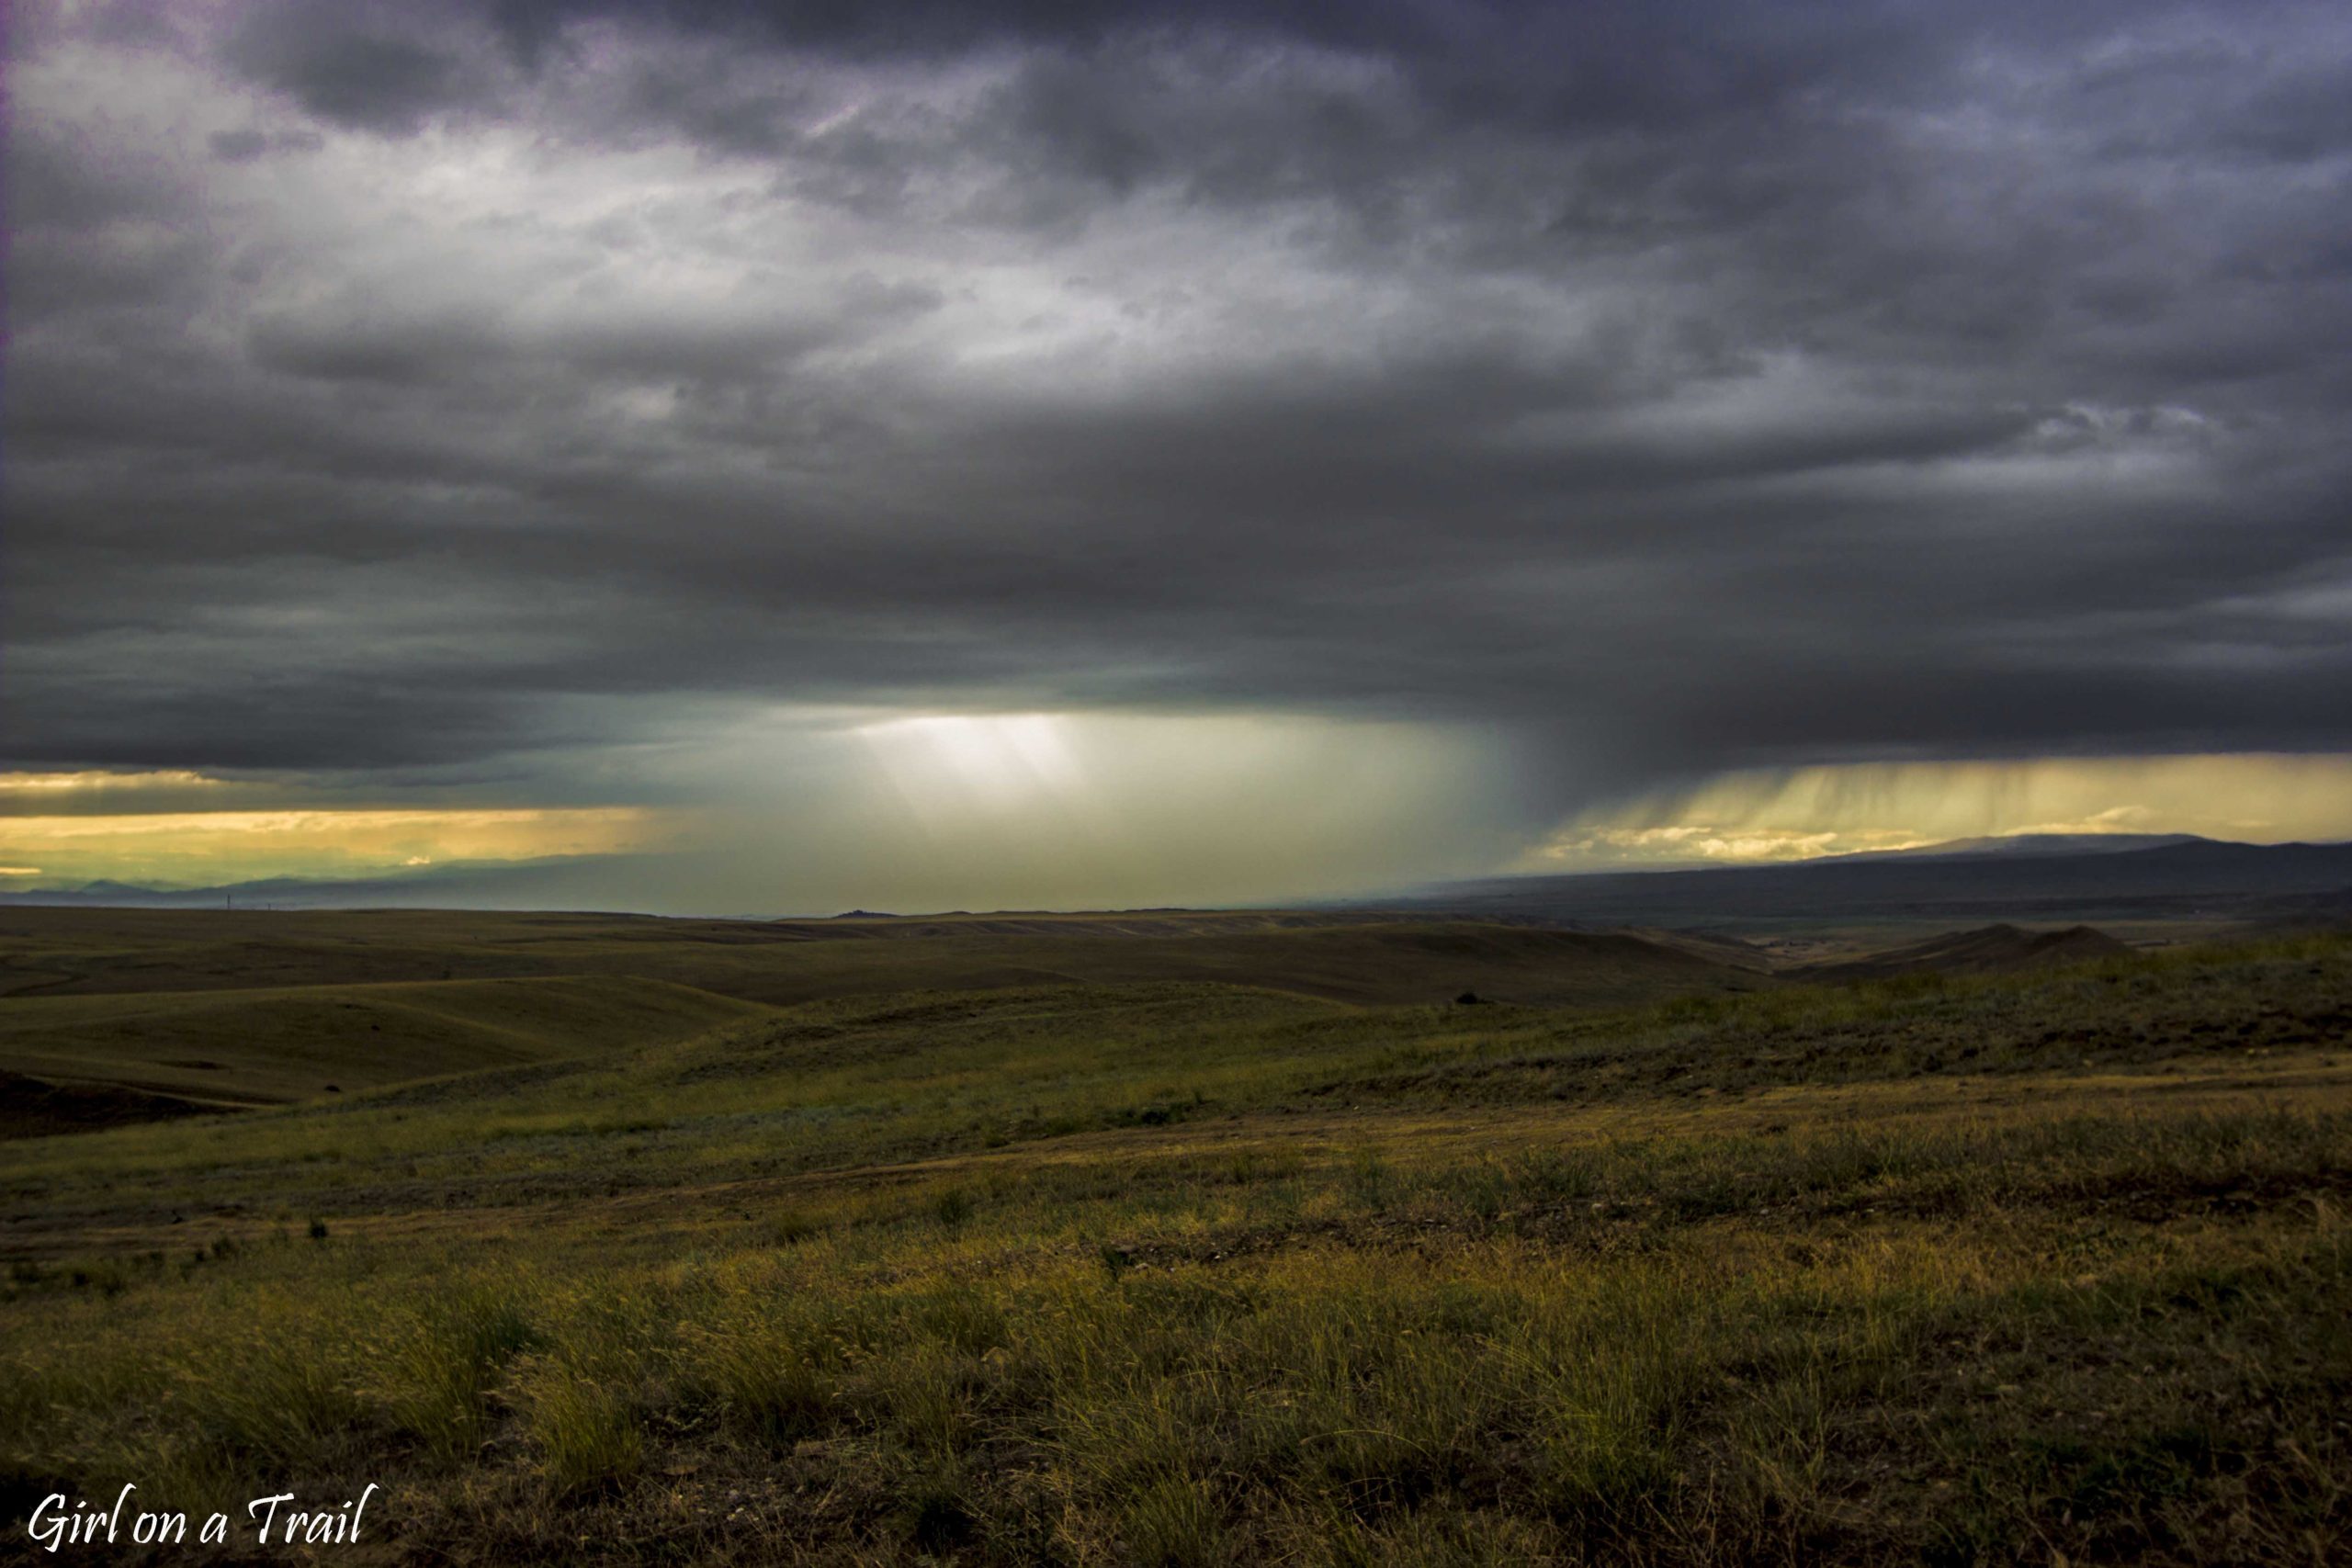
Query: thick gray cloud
pixel 408 389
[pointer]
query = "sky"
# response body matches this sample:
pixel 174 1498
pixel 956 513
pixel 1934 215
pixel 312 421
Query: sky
pixel 796 456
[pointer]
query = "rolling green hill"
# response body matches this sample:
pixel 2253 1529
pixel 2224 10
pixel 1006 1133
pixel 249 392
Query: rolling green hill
pixel 1988 949
pixel 55 952
pixel 261 1046
pixel 109 1015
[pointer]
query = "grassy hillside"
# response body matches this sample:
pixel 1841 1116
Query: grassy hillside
pixel 1986 950
pixel 1948 1269
pixel 282 1043
pixel 51 952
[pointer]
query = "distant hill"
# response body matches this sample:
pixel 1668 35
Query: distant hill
pixel 862 925
pixel 2195 877
pixel 1988 949
pixel 2033 844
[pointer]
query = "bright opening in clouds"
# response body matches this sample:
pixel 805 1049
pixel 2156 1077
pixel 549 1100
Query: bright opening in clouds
pixel 781 456
pixel 1057 810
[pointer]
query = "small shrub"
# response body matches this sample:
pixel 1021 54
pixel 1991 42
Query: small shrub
pixel 927 1396
pixel 587 1436
pixel 438 1376
pixel 1174 1523
pixel 273 1398
pixel 765 1386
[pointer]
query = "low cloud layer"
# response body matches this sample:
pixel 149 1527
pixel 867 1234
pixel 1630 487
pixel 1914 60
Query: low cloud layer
pixel 492 404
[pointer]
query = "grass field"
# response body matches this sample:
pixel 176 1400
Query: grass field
pixel 1368 959
pixel 109 1016
pixel 2044 1267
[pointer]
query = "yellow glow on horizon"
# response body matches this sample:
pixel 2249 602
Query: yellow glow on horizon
pixel 1765 814
pixel 201 846
pixel 95 779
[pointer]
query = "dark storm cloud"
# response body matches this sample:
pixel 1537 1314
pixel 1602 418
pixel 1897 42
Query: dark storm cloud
pixel 349 66
pixel 407 388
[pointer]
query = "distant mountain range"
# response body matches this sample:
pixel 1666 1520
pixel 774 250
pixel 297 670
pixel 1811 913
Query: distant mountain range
pixel 555 882
pixel 2045 876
